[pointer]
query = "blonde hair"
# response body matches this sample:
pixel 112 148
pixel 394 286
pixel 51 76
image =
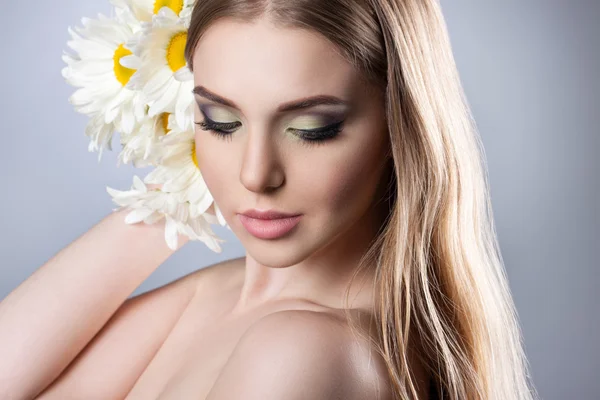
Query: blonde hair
pixel 440 276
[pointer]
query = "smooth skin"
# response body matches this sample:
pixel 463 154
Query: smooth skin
pixel 266 326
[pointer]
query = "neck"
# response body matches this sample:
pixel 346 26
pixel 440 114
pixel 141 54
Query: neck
pixel 322 278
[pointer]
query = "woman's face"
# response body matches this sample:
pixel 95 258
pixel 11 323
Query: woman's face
pixel 268 158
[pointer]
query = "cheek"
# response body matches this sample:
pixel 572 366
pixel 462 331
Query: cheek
pixel 352 173
pixel 344 184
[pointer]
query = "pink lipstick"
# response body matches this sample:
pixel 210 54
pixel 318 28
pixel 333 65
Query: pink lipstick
pixel 268 224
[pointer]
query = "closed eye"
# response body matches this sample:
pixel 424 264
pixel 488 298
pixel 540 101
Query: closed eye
pixel 225 130
pixel 218 128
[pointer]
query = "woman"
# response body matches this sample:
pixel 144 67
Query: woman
pixel 343 124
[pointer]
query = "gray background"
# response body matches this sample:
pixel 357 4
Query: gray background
pixel 530 73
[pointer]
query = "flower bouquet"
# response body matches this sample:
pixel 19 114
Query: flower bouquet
pixel 132 78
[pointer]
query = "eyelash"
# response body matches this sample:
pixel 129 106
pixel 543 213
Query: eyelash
pixel 310 137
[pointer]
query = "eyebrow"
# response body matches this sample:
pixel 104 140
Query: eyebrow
pixel 299 104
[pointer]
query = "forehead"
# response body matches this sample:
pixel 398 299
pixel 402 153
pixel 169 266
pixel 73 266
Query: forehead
pixel 260 63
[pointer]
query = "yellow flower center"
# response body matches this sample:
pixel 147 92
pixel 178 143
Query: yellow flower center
pixel 175 51
pixel 122 73
pixel 194 158
pixel 164 119
pixel 175 5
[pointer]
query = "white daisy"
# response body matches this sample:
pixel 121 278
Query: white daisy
pixel 151 206
pixel 100 134
pixel 143 147
pixel 144 10
pixel 96 69
pixel 163 75
pixel 178 171
pixel 146 14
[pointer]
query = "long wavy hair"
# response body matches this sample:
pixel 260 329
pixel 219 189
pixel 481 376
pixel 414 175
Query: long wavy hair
pixel 439 272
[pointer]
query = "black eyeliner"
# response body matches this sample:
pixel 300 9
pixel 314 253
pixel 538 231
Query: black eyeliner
pixel 311 136
pixel 323 133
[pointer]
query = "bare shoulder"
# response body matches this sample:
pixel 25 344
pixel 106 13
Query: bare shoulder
pixel 300 354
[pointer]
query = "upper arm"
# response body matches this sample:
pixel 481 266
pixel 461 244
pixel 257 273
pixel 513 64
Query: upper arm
pixel 295 355
pixel 111 362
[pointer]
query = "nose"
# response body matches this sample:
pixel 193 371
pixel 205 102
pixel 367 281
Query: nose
pixel 261 169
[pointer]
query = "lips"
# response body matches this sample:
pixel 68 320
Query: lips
pixel 269 224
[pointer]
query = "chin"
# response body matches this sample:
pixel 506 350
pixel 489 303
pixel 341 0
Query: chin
pixel 279 253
